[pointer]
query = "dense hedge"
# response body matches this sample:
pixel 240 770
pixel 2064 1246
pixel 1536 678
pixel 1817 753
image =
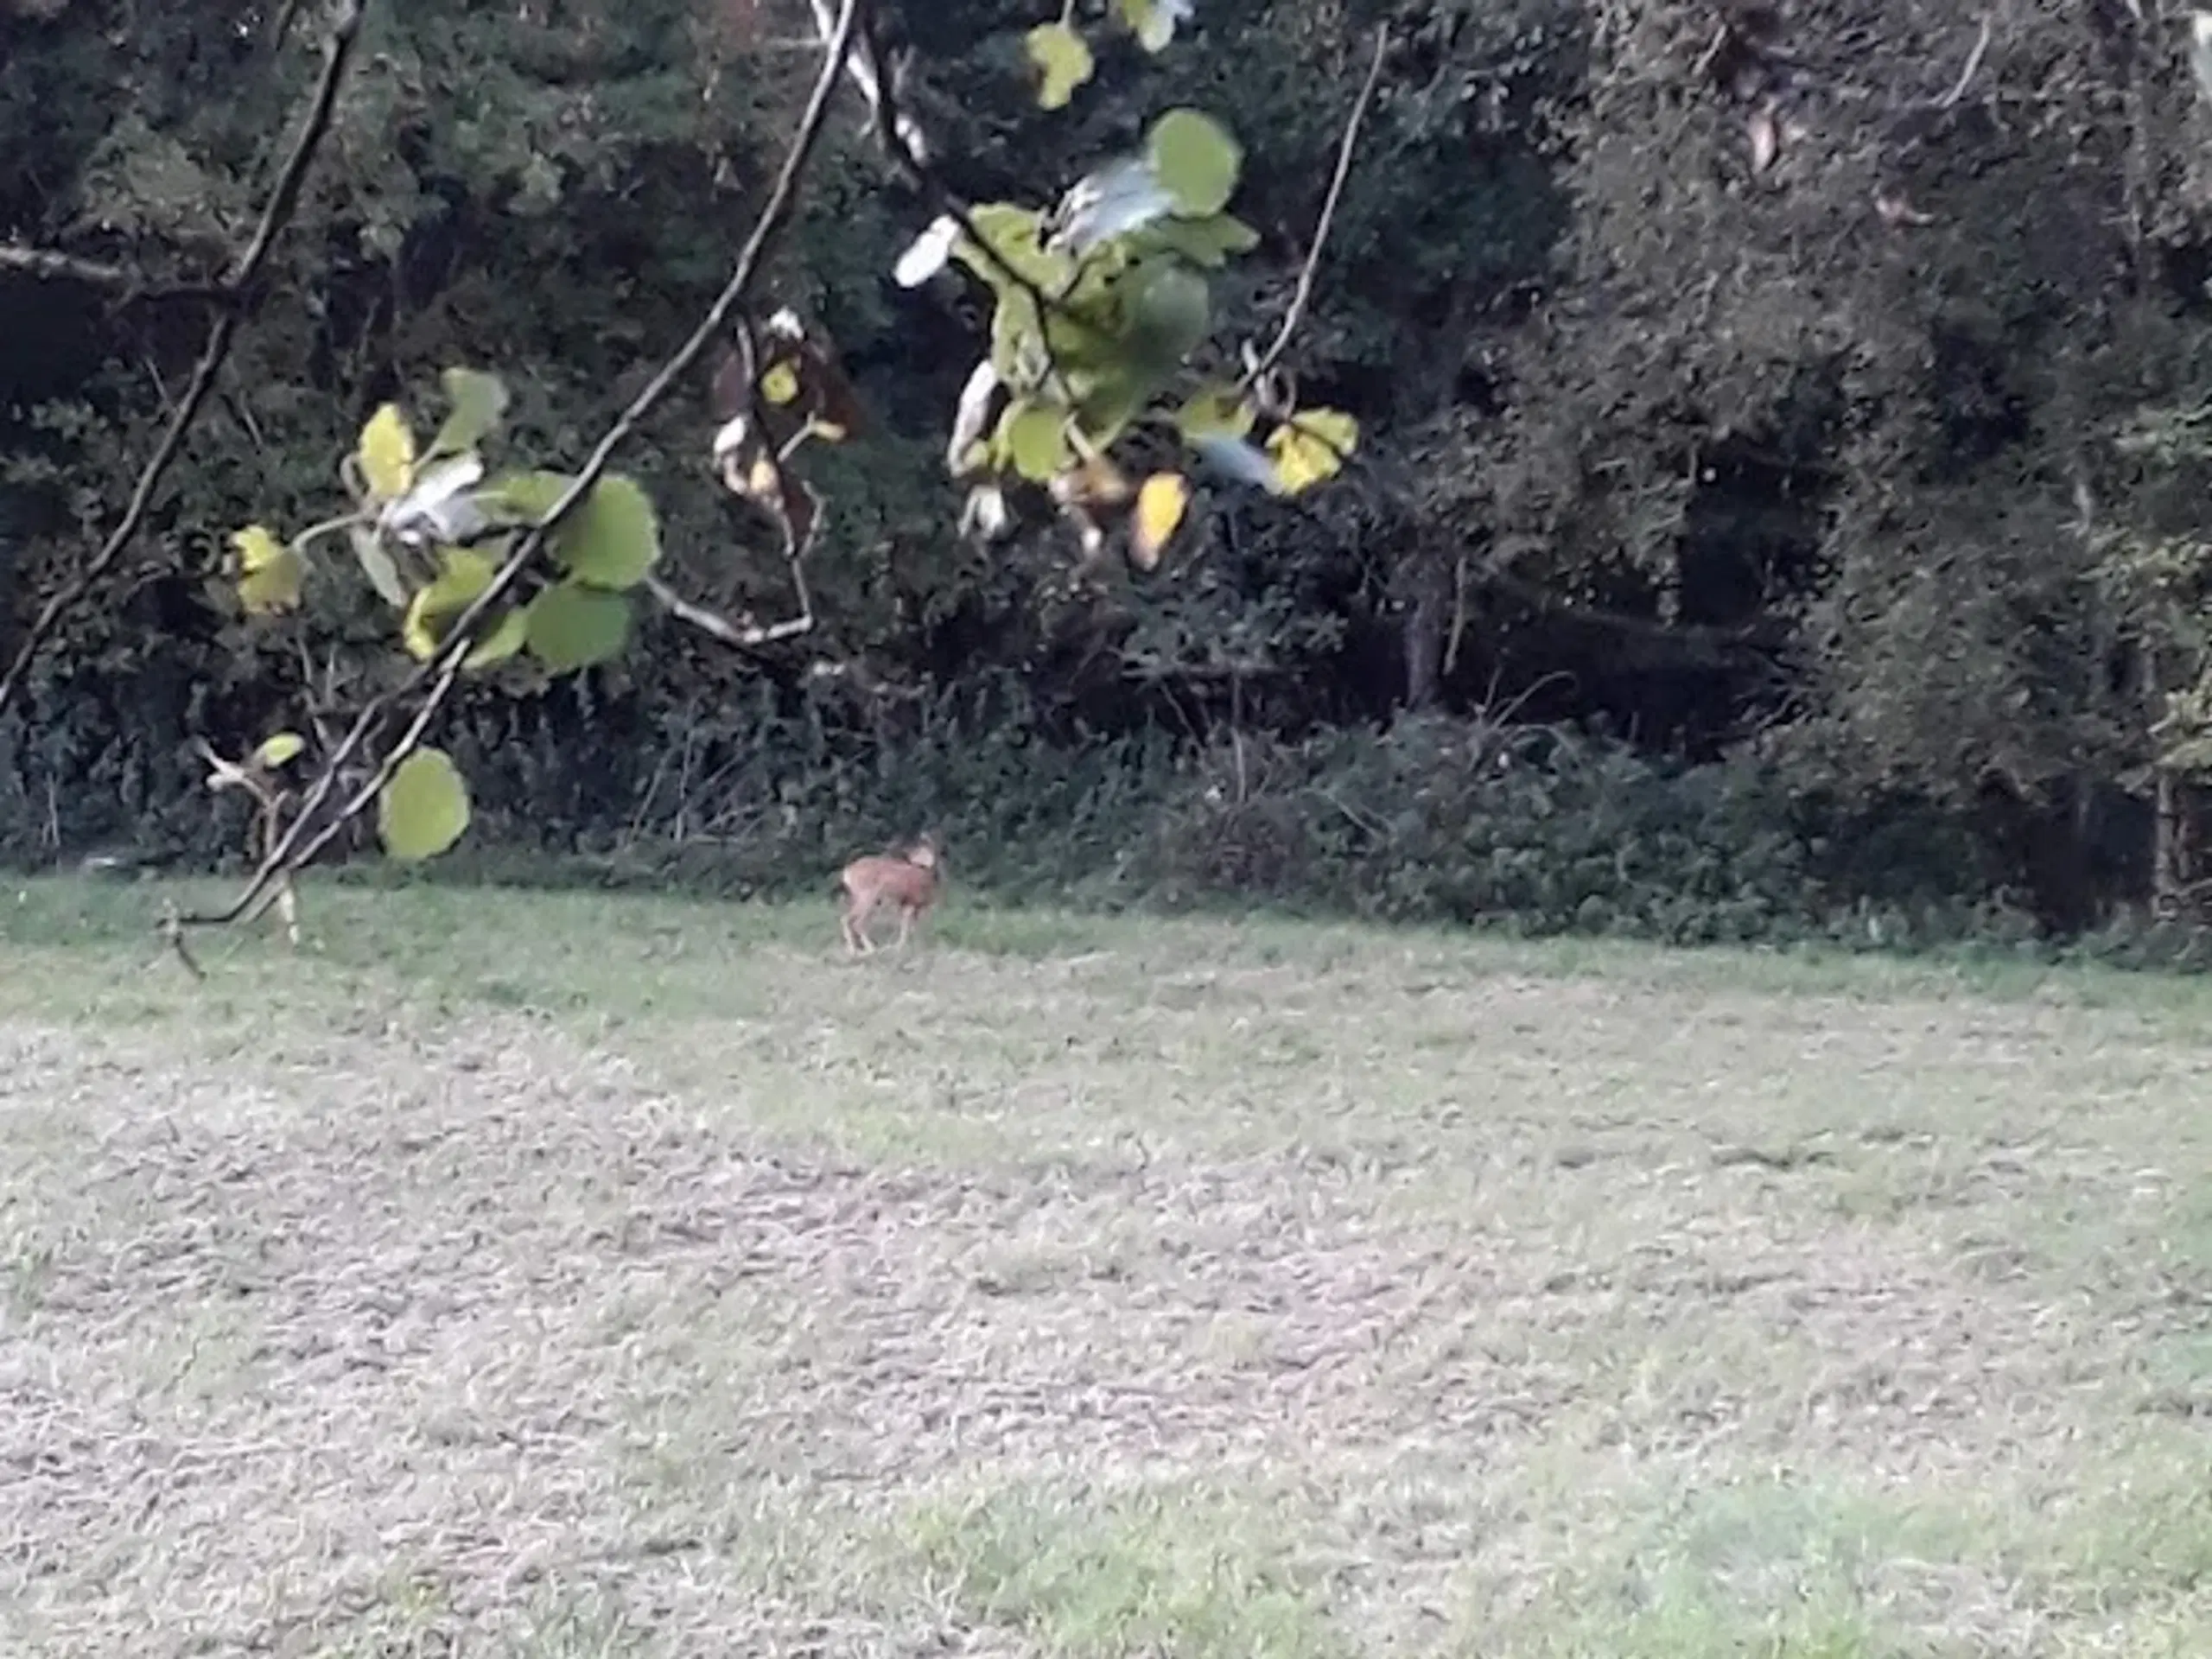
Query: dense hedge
pixel 1531 828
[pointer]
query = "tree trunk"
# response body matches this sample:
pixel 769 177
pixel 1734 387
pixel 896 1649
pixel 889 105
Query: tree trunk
pixel 2178 880
pixel 1427 617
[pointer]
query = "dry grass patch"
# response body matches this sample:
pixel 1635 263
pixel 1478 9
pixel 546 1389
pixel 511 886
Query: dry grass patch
pixel 565 1275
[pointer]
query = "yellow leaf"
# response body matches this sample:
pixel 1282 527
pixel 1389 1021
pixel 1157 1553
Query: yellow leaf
pixel 278 748
pixel 270 575
pixel 387 454
pixel 1311 447
pixel 779 385
pixel 1161 504
pixel 1062 61
pixel 466 574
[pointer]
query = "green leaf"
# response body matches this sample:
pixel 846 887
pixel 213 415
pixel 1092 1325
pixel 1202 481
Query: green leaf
pixel 1015 239
pixel 431 613
pixel 1196 161
pixel 270 575
pixel 387 454
pixel 1152 21
pixel 527 496
pixel 1169 312
pixel 1061 60
pixel 1211 411
pixel 572 627
pixel 379 566
pixel 1311 447
pixel 1209 241
pixel 1033 439
pixel 1017 341
pixel 276 748
pixel 424 808
pixel 504 639
pixel 477 401
pixel 1108 400
pixel 613 539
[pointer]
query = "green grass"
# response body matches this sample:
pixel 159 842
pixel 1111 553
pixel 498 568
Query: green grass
pixel 556 1275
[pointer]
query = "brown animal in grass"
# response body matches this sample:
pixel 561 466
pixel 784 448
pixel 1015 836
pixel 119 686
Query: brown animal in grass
pixel 907 879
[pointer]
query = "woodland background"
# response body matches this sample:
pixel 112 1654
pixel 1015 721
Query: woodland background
pixel 1775 513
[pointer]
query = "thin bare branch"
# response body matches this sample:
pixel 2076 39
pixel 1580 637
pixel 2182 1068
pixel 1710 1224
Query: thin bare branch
pixel 301 843
pixel 238 283
pixel 744 636
pixel 1302 297
pixel 1966 75
pixel 49 265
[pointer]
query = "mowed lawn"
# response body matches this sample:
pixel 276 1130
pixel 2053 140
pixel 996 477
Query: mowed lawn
pixel 564 1275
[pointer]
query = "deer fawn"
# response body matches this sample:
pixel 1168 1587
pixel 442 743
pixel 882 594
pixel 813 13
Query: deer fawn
pixel 909 880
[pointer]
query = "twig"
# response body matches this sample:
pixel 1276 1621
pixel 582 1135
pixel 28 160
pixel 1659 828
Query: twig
pixel 173 936
pixel 441 669
pixel 1302 296
pixel 237 284
pixel 52 265
pixel 1966 75
pixel 746 636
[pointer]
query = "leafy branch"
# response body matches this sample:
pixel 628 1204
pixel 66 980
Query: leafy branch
pixel 1103 304
pixel 237 287
pixel 422 807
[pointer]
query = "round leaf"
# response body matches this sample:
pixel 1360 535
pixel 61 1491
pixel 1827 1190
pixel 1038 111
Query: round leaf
pixel 572 627
pixel 477 401
pixel 387 453
pixel 503 641
pixel 1061 60
pixel 1195 159
pixel 527 496
pixel 423 808
pixel 1214 411
pixel 779 383
pixel 1035 440
pixel 1170 312
pixel 613 539
pixel 1153 21
pixel 276 748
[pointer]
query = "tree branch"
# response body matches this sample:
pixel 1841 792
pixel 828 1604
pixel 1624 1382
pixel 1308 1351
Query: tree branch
pixel 746 636
pixel 237 285
pixel 441 671
pixel 1302 297
pixel 49 265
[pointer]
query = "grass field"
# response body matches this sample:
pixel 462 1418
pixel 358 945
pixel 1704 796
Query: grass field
pixel 571 1276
